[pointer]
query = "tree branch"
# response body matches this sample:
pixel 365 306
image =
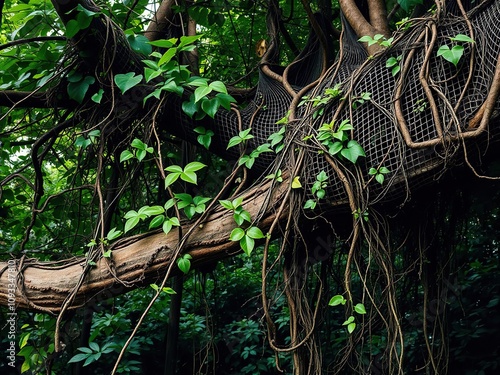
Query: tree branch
pixel 378 16
pixel 359 23
pixel 31 40
pixel 163 19
pixel 137 261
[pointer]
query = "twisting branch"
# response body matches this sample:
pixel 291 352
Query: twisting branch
pixel 31 40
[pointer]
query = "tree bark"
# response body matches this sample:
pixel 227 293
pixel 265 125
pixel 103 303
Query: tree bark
pixel 137 261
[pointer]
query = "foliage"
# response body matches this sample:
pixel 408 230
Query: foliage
pixel 455 53
pixel 151 186
pixel 376 39
pixel 337 140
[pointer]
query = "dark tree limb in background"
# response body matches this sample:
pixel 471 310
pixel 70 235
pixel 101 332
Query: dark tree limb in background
pixel 23 99
pixel 31 40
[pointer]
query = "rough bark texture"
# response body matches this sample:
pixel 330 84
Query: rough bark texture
pixel 135 261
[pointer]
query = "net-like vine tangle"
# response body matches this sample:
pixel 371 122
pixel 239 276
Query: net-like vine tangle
pixel 376 125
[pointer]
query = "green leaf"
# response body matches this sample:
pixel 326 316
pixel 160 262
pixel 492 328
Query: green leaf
pixel 171 178
pixel 190 107
pixel 174 168
pixel 255 233
pixel 225 100
pixel 126 81
pixel 380 178
pixel 167 226
pixel 201 92
pixel 462 38
pixel 82 142
pixel 247 245
pixel 113 234
pixel 310 203
pixel 367 39
pixel 337 300
pixel 184 263
pixel 24 340
pixel 335 148
pixel 139 44
pixel 77 90
pixel 194 166
pixel 85 11
pixel 189 177
pixel 150 74
pixel 205 139
pixel 167 56
pixel 237 202
pixel 210 106
pixel 78 358
pixel 189 211
pixel 226 204
pixel 186 40
pixel 360 308
pixel 72 28
pixel 154 286
pixel 98 96
pixel 140 154
pixel 164 43
pixel 348 321
pixel 384 170
pixel 241 215
pixel 353 151
pixel 452 55
pixel 131 223
pixel 248 160
pixel 125 155
pixel 174 221
pixel 197 81
pixel 322 176
pixel 237 234
pixel 184 200
pixel 236 140
pixel 391 61
pixel 218 86
pixel 153 210
pixel 157 221
pixel 351 327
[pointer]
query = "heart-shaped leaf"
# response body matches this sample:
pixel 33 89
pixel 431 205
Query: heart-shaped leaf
pixel 126 81
pixel 353 151
pixel 452 55
pixel 201 92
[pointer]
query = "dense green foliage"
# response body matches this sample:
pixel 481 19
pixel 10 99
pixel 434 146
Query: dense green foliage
pixel 221 325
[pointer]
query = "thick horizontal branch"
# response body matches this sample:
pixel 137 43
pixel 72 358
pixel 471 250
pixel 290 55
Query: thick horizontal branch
pixel 136 261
